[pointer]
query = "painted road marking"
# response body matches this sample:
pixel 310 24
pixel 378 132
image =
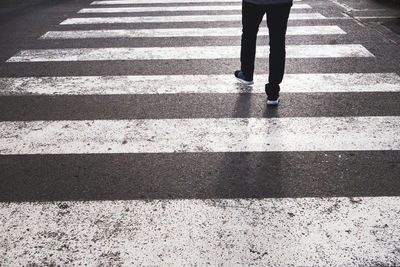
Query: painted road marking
pixel 200 135
pixel 166 19
pixel 197 84
pixel 185 32
pixel 191 52
pixel 229 232
pixel 129 2
pixel 175 8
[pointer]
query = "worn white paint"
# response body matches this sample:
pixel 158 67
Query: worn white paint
pixel 197 84
pixel 174 8
pixel 130 2
pixel 200 135
pixel 346 17
pixel 190 52
pixel 375 17
pixel 217 232
pixel 166 19
pixel 185 32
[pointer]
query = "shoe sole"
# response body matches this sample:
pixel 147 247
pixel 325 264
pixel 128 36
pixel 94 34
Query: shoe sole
pixel 273 102
pixel 244 81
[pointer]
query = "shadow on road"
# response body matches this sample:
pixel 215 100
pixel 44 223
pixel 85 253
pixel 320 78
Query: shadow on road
pixel 245 174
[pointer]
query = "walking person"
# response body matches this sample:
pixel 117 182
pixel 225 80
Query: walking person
pixel 277 12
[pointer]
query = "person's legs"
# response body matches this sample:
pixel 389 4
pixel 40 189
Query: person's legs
pixel 252 16
pixel 277 19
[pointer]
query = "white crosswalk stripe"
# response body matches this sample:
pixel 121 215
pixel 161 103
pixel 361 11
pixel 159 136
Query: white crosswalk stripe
pixel 176 8
pixel 322 231
pixel 165 19
pixel 129 2
pixel 197 84
pixel 185 32
pixel 200 135
pixel 283 229
pixel 192 52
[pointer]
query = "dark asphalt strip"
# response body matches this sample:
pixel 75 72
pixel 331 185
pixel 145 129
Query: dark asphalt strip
pixel 115 107
pixel 199 175
pixel 195 67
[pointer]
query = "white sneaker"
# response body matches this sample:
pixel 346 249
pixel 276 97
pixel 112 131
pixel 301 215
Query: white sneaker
pixel 273 102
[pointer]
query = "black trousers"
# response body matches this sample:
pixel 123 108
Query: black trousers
pixel 277 19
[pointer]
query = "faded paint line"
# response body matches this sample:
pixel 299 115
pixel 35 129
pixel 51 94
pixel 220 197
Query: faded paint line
pixel 360 18
pixel 341 231
pixel 376 17
pixel 166 19
pixel 172 9
pixel 185 32
pixel 191 52
pixel 197 84
pixel 200 135
pixel 129 2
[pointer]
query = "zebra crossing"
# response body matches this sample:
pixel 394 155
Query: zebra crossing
pixel 223 222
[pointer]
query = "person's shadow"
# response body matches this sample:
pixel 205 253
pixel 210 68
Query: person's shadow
pixel 249 174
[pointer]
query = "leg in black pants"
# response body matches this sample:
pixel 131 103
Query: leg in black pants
pixel 277 17
pixel 252 16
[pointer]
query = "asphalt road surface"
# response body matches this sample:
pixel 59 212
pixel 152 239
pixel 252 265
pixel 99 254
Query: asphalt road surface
pixel 125 139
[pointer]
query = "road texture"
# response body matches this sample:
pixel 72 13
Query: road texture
pixel 125 140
